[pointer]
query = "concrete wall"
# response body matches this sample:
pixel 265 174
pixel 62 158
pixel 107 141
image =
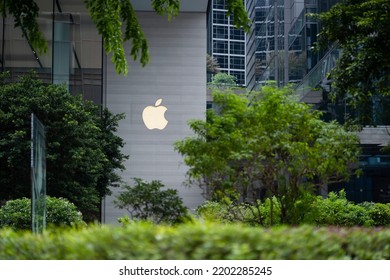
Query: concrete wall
pixel 177 74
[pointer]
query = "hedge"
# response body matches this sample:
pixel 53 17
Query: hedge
pixel 197 241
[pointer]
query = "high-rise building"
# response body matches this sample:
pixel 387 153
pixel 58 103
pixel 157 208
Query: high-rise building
pixel 230 45
pixel 286 34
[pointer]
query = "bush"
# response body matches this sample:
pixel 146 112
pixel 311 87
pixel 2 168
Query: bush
pixel 335 210
pixel 147 201
pixel 379 214
pixel 250 214
pixel 16 214
pixel 197 241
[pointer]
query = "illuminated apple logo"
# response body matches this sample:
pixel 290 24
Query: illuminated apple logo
pixel 153 116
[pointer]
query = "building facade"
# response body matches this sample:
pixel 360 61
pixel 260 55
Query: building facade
pixel 230 46
pixel 172 86
pixel 176 74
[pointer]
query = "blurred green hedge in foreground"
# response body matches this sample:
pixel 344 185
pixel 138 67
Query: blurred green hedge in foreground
pixel 198 241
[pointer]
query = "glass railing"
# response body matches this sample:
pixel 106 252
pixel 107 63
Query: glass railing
pixel 318 76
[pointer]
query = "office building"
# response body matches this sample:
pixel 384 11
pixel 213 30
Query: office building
pixel 231 47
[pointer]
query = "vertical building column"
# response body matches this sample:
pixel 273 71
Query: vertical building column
pixel 276 40
pixel 61 51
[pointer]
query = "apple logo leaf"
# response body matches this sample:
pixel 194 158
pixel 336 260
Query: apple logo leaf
pixel 158 102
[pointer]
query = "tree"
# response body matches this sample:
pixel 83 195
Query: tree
pixel 361 27
pixel 109 16
pixel 147 201
pixel 266 143
pixel 83 152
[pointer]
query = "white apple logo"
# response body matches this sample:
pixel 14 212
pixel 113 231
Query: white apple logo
pixel 153 116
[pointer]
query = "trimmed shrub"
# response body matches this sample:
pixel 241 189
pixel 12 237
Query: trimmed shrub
pixel 197 241
pixel 16 214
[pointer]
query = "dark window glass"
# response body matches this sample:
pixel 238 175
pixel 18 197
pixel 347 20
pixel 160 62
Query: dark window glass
pixel 237 62
pixel 220 32
pixel 223 60
pixel 237 34
pixel 237 48
pixel 219 4
pixel 240 77
pixel 220 46
pixel 220 17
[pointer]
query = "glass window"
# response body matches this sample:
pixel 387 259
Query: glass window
pixel 237 48
pixel 261 14
pixel 237 62
pixel 220 17
pixel 237 34
pixel 220 32
pixel 223 61
pixel 240 77
pixel 220 46
pixel 219 4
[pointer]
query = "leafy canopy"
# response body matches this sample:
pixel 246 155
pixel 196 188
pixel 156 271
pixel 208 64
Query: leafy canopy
pixel 109 16
pixel 82 150
pixel 361 27
pixel 265 143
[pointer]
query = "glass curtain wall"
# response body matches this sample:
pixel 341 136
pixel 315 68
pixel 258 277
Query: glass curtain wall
pixel 228 43
pixel 301 39
pixel 17 55
pixel 77 50
pixel 270 37
pixel 74 57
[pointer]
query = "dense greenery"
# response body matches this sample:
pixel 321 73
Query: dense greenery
pixel 82 150
pixel 111 18
pixel 266 144
pixel 361 28
pixel 149 201
pixel 335 210
pixel 198 242
pixel 16 214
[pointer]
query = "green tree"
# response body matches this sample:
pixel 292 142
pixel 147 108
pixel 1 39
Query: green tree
pixel 109 16
pixel 82 150
pixel 147 201
pixel 266 142
pixel 361 27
